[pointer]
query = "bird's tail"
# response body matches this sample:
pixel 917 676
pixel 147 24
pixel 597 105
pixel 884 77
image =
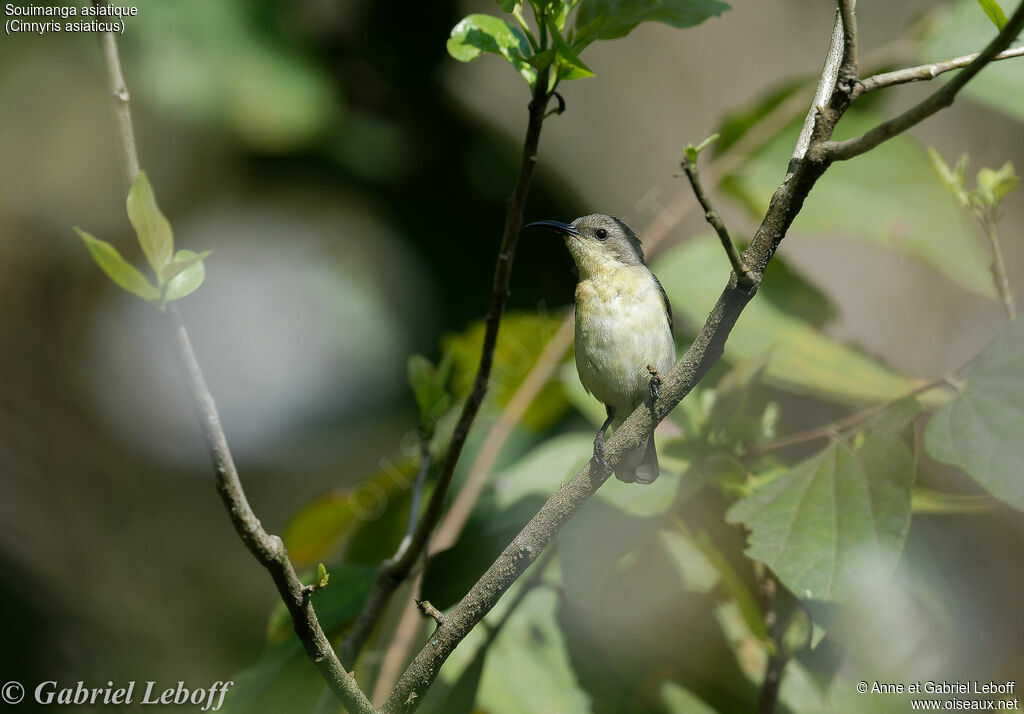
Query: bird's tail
pixel 639 466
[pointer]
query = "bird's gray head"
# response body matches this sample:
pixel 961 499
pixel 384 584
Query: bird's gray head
pixel 598 243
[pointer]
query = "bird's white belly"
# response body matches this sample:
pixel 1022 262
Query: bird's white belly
pixel 619 331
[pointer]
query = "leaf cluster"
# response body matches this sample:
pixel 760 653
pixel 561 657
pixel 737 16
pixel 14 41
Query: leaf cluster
pixel 178 273
pixel 562 29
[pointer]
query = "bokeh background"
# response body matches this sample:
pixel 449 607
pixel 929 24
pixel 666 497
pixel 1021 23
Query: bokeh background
pixel 350 177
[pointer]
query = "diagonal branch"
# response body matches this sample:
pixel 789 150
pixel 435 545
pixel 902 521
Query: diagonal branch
pixel 394 572
pixel 268 549
pixel 744 277
pixel 843 150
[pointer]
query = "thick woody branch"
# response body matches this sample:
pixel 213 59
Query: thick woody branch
pixel 394 572
pixel 848 69
pixel 743 275
pixel 266 548
pixel 843 150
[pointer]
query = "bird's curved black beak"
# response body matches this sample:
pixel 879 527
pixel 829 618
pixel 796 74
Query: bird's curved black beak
pixel 556 226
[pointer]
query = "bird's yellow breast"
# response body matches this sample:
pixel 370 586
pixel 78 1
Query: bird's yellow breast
pixel 621 327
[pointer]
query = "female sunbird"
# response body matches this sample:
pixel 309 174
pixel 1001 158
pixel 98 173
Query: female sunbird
pixel 623 329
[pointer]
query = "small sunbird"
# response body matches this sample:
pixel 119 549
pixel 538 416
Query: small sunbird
pixel 623 329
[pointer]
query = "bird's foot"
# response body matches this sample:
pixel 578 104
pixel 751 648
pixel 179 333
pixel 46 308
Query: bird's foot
pixel 599 453
pixel 655 382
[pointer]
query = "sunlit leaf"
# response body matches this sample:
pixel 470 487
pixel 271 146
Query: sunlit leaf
pixel 118 269
pixel 183 260
pixel 570 66
pixel 845 508
pixel 189 278
pixel 609 19
pixel 152 227
pixel 981 429
pixel 994 12
pixel 801 359
pixel 521 341
pixel 479 33
pixel 888 197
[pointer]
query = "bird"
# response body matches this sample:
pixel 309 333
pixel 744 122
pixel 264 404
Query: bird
pixel 623 333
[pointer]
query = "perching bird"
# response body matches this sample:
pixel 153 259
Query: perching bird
pixel 623 328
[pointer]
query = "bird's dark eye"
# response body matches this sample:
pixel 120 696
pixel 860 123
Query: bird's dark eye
pixel 601 233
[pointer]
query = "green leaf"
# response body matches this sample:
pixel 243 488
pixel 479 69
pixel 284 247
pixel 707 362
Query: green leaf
pixel 959 29
pixel 952 180
pixel 118 269
pixel 479 33
pixel 741 414
pixel 570 66
pixel 994 12
pixel 692 152
pixel 188 279
pixel 183 260
pixel 521 341
pixel 994 185
pixel 429 386
pixel 151 226
pixel 610 19
pixel 507 5
pixel 980 429
pixel 845 508
pixel 801 359
pixel 887 197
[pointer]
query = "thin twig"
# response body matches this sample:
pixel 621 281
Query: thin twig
pixel 430 611
pixel 777 657
pixel 843 150
pixel 925 72
pixel 999 275
pixel 838 426
pixel 744 277
pixel 121 103
pixel 268 549
pixel 392 574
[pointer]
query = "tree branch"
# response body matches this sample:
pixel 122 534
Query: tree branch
pixel 744 277
pixel 417 498
pixel 393 573
pixel 823 93
pixel 843 150
pixel 925 72
pixel 268 549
